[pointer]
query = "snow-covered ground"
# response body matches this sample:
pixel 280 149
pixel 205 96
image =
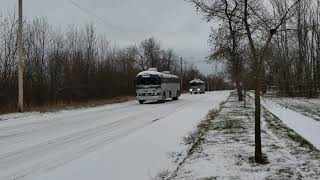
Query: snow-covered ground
pixel 120 141
pixel 227 151
pixel 306 106
pixel 306 126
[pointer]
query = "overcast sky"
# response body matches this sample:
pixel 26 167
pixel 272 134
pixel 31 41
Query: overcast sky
pixel 174 22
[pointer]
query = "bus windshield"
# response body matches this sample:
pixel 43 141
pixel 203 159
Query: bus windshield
pixel 148 81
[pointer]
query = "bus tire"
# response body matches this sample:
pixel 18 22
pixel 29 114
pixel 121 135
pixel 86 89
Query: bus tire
pixel 141 101
pixel 163 98
pixel 177 96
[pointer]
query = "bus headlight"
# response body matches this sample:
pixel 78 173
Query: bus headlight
pixel 190 90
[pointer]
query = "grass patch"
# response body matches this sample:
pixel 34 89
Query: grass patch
pixel 164 174
pixel 253 162
pixel 297 146
pixel 209 178
pixel 279 128
pixel 53 107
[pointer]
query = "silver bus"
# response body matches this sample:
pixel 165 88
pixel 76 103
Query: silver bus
pixel 197 86
pixel 154 85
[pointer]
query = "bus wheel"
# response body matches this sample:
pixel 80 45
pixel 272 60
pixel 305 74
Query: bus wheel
pixel 163 98
pixel 141 101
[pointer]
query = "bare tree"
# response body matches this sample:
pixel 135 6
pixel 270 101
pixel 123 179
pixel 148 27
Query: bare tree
pixel 259 26
pixel 225 40
pixel 8 54
pixel 150 52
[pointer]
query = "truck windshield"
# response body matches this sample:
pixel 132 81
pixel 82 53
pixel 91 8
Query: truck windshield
pixel 148 81
pixel 195 84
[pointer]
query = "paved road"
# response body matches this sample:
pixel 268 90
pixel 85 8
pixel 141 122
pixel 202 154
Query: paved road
pixel 32 144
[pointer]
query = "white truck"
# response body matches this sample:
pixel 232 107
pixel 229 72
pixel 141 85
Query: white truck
pixel 197 86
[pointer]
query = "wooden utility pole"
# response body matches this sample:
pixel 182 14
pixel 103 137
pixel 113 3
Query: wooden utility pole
pixel 180 74
pixel 20 56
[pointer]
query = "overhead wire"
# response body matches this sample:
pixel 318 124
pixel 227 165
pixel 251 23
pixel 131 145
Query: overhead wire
pixel 89 12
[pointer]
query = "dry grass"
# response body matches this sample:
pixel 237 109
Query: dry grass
pixel 65 105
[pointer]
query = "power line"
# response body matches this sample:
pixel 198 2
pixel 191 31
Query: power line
pixel 86 10
pixel 198 60
pixel 102 20
pixel 89 12
pixel 194 62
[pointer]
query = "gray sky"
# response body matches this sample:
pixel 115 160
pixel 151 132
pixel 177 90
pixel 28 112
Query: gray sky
pixel 174 22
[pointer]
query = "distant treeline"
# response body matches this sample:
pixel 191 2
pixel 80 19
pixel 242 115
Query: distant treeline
pixel 78 65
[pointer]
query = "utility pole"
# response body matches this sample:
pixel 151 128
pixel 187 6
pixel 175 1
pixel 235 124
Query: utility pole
pixel 180 74
pixel 20 56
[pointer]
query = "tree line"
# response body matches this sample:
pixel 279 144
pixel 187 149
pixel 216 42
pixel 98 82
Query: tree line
pixel 79 65
pixel 291 59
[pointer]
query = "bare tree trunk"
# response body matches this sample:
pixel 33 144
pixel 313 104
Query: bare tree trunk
pixel 21 61
pixel 239 90
pixel 258 149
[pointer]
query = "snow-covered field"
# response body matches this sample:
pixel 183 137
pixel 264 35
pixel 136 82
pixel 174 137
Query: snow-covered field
pixel 120 141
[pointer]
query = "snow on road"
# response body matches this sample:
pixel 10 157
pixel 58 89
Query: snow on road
pixel 121 141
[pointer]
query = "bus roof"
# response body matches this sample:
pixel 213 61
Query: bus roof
pixel 148 73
